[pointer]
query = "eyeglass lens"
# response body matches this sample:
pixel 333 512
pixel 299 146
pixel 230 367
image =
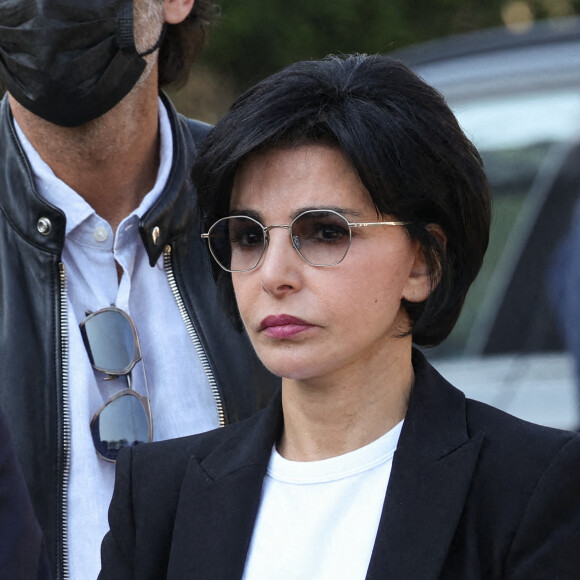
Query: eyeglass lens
pixel 113 348
pixel 321 237
pixel 110 341
pixel 121 422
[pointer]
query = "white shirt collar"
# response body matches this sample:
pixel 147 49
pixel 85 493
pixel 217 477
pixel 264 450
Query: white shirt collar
pixel 58 193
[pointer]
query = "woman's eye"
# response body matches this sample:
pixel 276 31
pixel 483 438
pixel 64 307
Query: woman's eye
pixel 329 232
pixel 247 238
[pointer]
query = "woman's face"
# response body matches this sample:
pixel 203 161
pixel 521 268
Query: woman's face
pixel 308 322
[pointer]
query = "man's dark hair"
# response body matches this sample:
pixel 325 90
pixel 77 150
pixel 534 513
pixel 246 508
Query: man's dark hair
pixel 401 138
pixel 184 42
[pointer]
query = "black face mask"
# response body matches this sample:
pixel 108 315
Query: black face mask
pixel 69 61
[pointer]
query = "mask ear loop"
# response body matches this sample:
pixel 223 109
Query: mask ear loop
pixel 158 43
pixel 125 31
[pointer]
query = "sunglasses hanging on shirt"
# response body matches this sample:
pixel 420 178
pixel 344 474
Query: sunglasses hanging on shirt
pixel 111 341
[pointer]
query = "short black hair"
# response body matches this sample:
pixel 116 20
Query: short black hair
pixel 402 139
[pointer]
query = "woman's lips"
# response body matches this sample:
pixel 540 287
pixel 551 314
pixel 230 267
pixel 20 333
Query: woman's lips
pixel 283 326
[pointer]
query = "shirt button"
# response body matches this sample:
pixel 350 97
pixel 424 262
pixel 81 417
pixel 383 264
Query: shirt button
pixel 101 234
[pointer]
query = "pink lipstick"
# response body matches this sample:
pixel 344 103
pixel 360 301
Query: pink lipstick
pixel 283 326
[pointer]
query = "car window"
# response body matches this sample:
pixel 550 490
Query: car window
pixel 522 138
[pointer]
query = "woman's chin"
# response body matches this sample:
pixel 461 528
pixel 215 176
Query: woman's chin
pixel 293 370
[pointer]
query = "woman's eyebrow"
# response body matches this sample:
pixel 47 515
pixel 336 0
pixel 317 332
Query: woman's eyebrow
pixel 246 212
pixel 348 213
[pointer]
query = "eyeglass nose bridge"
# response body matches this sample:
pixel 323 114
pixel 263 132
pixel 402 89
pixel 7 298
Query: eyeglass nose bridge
pixel 296 243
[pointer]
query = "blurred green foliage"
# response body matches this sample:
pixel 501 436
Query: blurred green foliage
pixel 255 38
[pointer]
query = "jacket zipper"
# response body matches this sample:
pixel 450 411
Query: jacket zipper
pixel 65 407
pixel 64 344
pixel 193 335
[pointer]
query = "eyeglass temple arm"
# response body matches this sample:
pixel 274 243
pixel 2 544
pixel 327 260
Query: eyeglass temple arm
pixel 365 224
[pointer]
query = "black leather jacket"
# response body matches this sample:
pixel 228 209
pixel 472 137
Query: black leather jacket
pixel 33 331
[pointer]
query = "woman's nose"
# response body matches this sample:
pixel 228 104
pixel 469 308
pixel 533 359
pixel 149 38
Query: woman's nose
pixel 281 267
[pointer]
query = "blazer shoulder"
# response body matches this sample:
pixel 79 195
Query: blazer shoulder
pixel 497 423
pixel 530 474
pixel 514 445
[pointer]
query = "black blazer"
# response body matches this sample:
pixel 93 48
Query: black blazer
pixel 474 494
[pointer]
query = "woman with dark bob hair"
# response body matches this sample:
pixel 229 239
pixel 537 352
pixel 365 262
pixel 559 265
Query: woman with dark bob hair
pixel 347 214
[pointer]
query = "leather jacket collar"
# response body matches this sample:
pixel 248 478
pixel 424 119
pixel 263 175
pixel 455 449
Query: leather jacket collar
pixel 43 225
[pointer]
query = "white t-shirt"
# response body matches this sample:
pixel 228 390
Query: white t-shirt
pixel 318 520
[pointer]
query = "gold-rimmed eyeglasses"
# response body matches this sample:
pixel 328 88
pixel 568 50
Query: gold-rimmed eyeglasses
pixel 321 237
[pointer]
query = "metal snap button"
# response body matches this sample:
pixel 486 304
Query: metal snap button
pixel 155 235
pixel 44 226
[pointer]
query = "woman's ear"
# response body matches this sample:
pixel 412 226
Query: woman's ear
pixel 176 11
pixel 420 285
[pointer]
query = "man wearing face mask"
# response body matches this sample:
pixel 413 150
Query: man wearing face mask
pixel 97 223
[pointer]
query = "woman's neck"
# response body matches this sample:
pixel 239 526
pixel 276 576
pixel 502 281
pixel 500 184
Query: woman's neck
pixel 331 416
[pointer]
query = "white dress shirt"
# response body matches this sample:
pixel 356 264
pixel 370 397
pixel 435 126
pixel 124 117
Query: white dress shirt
pixel 181 398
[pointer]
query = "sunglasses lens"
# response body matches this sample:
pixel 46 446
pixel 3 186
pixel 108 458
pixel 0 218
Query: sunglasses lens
pixel 237 243
pixel 111 342
pixel 322 237
pixel 123 422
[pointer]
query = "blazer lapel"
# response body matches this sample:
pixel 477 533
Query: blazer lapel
pixel 430 479
pixel 432 471
pixel 219 501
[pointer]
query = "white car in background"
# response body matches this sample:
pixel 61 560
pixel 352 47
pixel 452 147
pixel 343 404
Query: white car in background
pixel 517 96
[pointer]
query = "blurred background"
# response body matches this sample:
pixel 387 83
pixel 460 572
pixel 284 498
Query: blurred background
pixel 510 70
pixel 255 38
